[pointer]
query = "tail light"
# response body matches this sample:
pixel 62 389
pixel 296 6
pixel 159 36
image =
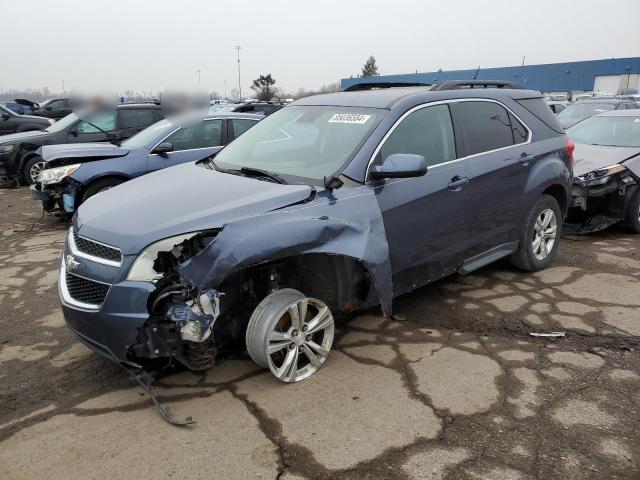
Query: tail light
pixel 570 148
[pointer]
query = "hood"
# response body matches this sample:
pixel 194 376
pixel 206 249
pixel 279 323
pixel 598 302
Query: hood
pixel 102 150
pixel 18 137
pixel 587 158
pixel 24 101
pixel 177 200
pixel 36 119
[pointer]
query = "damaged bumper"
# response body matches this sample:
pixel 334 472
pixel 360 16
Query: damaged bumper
pixel 596 207
pixel 63 197
pixel 128 320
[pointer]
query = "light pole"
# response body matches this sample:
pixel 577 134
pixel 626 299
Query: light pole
pixel 198 72
pixel 63 90
pixel 225 89
pixel 238 48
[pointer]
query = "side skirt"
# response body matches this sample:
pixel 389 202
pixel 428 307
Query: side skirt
pixel 490 256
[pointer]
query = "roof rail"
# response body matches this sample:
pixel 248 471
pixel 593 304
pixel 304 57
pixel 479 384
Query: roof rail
pixel 377 85
pixel 460 84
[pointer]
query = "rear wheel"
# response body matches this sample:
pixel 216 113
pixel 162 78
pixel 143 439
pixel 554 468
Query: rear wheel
pixel 539 242
pixel 32 169
pixel 100 186
pixel 290 334
pixel 632 220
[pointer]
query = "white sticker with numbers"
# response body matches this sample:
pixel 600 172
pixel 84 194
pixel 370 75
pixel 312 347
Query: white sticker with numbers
pixel 349 118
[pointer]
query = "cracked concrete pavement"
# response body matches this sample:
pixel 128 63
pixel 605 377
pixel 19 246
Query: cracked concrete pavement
pixel 459 390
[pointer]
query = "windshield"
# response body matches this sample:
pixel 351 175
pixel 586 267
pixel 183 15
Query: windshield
pixel 583 110
pixel 610 131
pixel 63 123
pixel 148 135
pixel 303 144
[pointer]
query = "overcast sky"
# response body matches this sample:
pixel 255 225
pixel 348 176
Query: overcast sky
pixel 113 45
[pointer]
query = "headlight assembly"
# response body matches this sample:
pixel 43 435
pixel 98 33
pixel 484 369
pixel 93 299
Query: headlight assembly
pixel 55 175
pixel 599 176
pixel 6 148
pixel 142 269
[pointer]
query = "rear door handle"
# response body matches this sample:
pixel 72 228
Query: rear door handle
pixel 457 183
pixel 525 159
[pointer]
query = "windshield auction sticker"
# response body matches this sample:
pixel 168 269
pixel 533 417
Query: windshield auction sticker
pixel 349 118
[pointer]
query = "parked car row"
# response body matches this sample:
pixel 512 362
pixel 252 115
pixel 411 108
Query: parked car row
pixel 332 204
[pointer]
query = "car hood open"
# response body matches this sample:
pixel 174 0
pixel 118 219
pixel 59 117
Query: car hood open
pixel 102 150
pixel 592 157
pixel 182 199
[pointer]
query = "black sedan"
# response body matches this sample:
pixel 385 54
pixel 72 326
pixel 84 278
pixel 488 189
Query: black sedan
pixel 11 122
pixel 19 160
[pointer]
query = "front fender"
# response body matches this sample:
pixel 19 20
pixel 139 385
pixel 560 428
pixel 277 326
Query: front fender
pixel 351 226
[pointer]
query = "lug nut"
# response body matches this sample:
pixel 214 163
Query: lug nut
pixel 305 328
pixel 294 333
pixel 308 339
pixel 292 346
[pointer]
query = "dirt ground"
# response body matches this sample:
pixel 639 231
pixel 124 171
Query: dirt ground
pixel 459 390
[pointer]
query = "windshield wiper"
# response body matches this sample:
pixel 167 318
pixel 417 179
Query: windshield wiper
pixel 262 173
pixel 246 170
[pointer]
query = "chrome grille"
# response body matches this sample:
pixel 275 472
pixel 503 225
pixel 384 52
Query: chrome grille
pixel 85 291
pixel 96 249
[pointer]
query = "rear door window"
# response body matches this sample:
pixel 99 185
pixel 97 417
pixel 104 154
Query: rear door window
pixel 427 132
pixel 486 126
pixel 241 125
pixel 141 117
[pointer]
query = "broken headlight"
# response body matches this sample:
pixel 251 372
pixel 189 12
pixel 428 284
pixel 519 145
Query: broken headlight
pixel 164 257
pixel 55 175
pixel 599 177
pixel 143 268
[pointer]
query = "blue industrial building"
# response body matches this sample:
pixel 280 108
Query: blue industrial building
pixel 592 75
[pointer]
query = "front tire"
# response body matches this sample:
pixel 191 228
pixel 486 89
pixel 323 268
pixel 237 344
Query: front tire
pixel 632 220
pixel 32 169
pixel 290 334
pixel 538 244
pixel 100 186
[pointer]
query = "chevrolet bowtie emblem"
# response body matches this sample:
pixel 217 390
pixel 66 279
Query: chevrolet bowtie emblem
pixel 70 262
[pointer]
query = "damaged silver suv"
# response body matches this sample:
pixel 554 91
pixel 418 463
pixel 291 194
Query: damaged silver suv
pixel 334 203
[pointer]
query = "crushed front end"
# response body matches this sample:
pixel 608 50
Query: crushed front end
pixel 600 199
pixel 134 308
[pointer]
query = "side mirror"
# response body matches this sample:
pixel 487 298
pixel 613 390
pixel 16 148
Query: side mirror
pixel 5 116
pixel 400 165
pixel 163 149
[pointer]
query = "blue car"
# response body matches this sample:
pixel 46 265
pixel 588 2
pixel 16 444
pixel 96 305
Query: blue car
pixel 333 203
pixel 76 172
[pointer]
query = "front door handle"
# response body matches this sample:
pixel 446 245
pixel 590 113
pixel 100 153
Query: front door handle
pixel 457 183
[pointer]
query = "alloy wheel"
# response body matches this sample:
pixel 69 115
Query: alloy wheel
pixel 544 234
pixel 290 334
pixel 35 170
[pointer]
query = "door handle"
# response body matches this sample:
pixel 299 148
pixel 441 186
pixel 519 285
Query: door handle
pixel 525 159
pixel 457 183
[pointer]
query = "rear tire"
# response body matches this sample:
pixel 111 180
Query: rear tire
pixel 539 241
pixel 100 186
pixel 32 169
pixel 632 220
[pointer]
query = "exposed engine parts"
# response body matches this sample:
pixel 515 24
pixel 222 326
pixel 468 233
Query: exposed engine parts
pixel 195 318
